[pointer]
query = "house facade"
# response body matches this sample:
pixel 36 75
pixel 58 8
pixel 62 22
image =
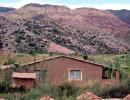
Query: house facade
pixel 66 68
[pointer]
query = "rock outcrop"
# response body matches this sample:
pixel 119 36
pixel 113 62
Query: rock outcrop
pixel 89 95
pixel 127 97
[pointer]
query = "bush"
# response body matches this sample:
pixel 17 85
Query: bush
pixel 32 52
pixel 10 61
pixel 93 86
pixel 117 92
pixel 20 89
pixel 44 89
pixel 1 45
pixel 17 39
pixel 55 30
pixel 68 89
pixel 85 57
pixel 3 86
pixel 51 54
pixel 35 32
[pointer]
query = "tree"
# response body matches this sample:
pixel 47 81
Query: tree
pixel 117 64
pixel 33 53
pixel 85 57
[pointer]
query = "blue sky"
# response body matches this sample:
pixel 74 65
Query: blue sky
pixel 99 4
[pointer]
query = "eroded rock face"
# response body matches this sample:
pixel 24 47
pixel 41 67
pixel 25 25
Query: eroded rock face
pixel 59 49
pixel 89 95
pixel 127 97
pixel 82 17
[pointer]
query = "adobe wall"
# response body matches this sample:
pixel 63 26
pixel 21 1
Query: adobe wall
pixel 27 82
pixel 115 81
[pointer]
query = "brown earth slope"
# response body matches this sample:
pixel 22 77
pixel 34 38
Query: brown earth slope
pixel 26 34
pixel 81 30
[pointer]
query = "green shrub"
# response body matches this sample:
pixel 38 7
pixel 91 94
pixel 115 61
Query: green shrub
pixel 68 89
pixel 10 61
pixel 35 32
pixel 55 30
pixel 93 86
pixel 85 57
pixel 118 91
pixel 44 89
pixel 32 52
pixel 20 89
pixel 3 86
pixel 17 39
pixel 51 54
pixel 1 45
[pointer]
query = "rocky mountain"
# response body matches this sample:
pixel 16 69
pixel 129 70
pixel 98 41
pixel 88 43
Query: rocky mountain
pixel 123 15
pixel 26 34
pixel 6 9
pixel 81 17
pixel 59 29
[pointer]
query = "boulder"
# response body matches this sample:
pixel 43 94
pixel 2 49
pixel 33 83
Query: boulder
pixel 88 95
pixel 127 97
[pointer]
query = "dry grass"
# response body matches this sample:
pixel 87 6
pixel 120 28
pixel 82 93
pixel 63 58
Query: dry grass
pixel 3 59
pixel 24 58
pixel 21 58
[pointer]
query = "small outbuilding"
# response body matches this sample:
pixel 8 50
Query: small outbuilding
pixel 26 79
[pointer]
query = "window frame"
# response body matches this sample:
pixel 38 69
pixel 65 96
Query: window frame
pixel 75 70
pixel 37 75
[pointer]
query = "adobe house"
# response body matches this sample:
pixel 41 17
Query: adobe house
pixel 67 68
pixel 26 79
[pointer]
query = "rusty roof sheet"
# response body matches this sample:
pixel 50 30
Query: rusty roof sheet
pixel 24 75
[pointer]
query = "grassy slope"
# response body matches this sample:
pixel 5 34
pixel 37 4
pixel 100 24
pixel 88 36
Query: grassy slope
pixel 101 59
pixel 23 58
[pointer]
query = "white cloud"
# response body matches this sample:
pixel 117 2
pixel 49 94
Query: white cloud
pixel 21 3
pixel 102 6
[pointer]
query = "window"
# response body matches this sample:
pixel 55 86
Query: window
pixel 108 73
pixel 38 74
pixel 41 74
pixel 74 74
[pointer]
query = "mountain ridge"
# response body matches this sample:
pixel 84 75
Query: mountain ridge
pixel 6 9
pixel 82 17
pixel 80 30
pixel 123 15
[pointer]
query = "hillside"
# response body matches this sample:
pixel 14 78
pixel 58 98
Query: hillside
pixel 6 9
pixel 26 34
pixel 123 15
pixel 80 30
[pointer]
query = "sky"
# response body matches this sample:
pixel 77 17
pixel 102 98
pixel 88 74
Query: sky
pixel 99 4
